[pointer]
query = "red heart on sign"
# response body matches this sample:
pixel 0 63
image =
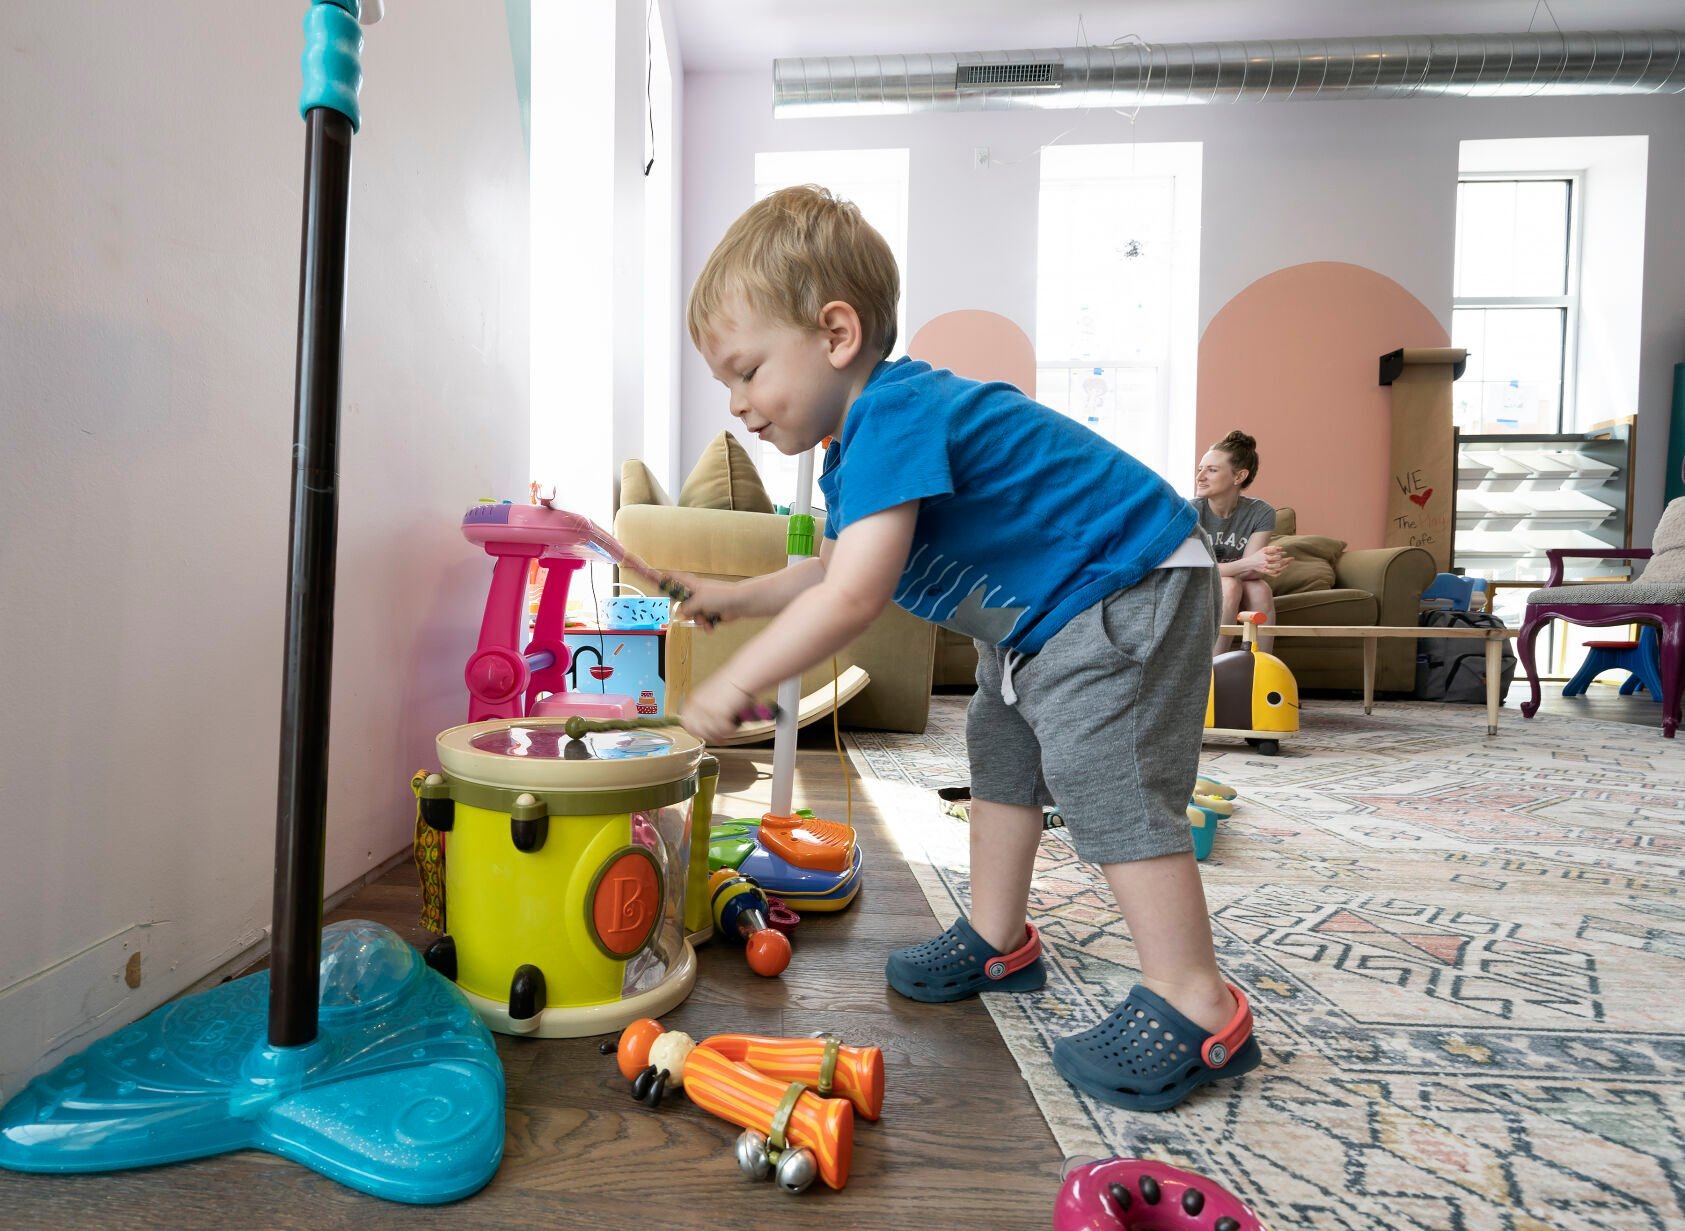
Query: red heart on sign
pixel 1421 501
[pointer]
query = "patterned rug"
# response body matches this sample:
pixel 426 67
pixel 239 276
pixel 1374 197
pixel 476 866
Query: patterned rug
pixel 1466 957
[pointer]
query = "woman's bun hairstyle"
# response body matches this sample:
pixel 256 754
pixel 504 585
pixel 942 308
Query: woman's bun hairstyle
pixel 1242 451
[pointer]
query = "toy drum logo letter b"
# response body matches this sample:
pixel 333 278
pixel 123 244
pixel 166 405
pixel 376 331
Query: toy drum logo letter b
pixel 623 908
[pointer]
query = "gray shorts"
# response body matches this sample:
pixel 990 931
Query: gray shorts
pixel 1107 718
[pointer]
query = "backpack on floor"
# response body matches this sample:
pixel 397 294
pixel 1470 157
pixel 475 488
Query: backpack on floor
pixel 1454 668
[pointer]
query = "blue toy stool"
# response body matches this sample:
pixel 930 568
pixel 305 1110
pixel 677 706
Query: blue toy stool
pixel 1642 658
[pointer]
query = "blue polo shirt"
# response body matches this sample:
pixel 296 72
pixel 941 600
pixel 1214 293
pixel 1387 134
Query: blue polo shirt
pixel 1027 517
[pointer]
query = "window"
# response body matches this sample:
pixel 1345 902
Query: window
pixel 1516 302
pixel 661 322
pixel 876 181
pixel 1117 295
pixel 572 194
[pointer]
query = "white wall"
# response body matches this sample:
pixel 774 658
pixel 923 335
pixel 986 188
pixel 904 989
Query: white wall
pixel 662 321
pixel 1612 280
pixel 588 246
pixel 1373 183
pixel 574 374
pixel 149 233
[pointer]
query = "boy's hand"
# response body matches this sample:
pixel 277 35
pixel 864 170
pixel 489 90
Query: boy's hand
pixel 713 711
pixel 701 599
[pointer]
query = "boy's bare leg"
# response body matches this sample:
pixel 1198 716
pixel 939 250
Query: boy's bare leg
pixel 1163 903
pixel 1004 838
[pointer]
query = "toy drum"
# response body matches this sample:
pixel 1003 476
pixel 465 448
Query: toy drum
pixel 567 868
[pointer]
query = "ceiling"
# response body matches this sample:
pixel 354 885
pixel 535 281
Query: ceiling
pixel 734 35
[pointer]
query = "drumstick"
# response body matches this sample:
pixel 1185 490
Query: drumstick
pixel 578 728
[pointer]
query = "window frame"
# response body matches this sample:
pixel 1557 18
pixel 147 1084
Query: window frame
pixel 1107 360
pixel 1568 302
pixel 1181 164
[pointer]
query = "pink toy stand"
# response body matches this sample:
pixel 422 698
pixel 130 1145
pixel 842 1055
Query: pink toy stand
pixel 1117 1194
pixel 503 680
pixel 586 705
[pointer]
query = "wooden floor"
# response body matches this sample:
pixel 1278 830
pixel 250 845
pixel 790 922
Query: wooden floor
pixel 1601 701
pixel 961 1142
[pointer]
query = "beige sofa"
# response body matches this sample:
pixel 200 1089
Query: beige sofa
pixel 897 651
pixel 1372 586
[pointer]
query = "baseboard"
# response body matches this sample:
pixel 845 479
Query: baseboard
pixel 62 1009
pixel 244 963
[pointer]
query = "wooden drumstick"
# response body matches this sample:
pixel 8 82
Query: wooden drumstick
pixel 578 728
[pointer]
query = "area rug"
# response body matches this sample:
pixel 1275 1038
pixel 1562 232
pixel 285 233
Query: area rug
pixel 1466 956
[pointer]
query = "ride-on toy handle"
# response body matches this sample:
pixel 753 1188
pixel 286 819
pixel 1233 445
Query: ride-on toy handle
pixel 1251 622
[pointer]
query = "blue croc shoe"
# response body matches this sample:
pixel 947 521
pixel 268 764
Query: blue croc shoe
pixel 1145 1056
pixel 960 963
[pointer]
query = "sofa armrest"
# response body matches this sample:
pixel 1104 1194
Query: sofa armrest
pixel 718 542
pixel 1396 576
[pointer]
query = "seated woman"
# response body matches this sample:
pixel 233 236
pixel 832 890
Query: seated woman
pixel 1239 527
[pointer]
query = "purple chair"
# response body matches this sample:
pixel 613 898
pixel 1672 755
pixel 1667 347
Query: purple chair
pixel 1658 603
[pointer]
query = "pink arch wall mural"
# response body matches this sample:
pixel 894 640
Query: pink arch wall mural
pixel 1292 360
pixel 978 345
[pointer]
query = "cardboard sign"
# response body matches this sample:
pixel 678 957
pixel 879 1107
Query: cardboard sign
pixel 1423 470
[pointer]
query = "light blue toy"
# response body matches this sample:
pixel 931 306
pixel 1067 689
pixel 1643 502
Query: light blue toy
pixel 1202 823
pixel 1211 802
pixel 349 1055
pixel 400 1095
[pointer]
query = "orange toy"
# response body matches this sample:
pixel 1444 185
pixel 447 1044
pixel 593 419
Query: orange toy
pixel 809 842
pixel 737 1093
pixel 775 1089
pixel 857 1072
pixel 740 909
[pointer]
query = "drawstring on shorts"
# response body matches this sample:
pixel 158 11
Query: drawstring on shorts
pixel 1007 693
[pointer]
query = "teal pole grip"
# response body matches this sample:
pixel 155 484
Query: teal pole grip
pixel 333 71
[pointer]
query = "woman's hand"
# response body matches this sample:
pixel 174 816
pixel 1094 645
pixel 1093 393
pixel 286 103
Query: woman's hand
pixel 1267 562
pixel 702 599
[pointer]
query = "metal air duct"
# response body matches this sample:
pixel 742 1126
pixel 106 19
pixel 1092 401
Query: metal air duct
pixel 1129 75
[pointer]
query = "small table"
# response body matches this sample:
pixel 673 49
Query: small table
pixel 1371 636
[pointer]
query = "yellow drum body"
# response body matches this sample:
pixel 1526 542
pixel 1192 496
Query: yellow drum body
pixel 567 871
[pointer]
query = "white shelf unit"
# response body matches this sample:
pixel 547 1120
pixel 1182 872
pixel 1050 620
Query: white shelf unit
pixel 1520 495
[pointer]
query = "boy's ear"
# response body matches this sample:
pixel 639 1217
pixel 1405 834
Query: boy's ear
pixel 840 324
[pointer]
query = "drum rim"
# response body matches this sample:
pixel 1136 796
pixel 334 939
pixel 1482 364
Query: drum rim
pixel 460 760
pixel 610 801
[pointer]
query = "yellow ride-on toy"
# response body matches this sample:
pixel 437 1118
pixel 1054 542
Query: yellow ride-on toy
pixel 1253 695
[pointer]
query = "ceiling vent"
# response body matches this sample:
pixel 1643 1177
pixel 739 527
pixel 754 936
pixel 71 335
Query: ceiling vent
pixel 1042 76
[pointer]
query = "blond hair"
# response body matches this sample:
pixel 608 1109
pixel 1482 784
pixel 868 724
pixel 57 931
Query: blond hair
pixel 792 253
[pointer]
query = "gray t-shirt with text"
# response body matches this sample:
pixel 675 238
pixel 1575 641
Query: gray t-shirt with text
pixel 1229 535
